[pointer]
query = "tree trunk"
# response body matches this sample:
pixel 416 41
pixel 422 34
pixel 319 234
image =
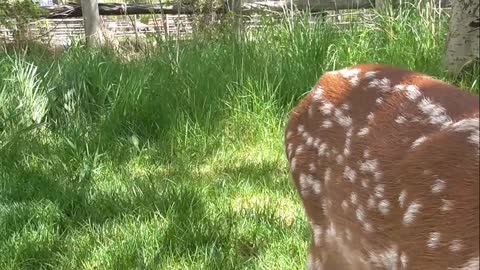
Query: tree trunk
pixel 235 6
pixel 383 6
pixel 92 23
pixel 463 38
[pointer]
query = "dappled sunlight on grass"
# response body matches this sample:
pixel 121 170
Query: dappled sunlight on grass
pixel 285 209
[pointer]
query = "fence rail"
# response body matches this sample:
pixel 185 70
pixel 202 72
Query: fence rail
pixel 62 31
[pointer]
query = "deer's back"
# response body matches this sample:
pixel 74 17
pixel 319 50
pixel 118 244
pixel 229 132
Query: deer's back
pixel 386 163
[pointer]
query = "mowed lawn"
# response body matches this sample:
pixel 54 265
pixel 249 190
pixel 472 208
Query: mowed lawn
pixel 174 158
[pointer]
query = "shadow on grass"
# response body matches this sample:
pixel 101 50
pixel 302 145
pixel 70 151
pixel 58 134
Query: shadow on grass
pixel 191 230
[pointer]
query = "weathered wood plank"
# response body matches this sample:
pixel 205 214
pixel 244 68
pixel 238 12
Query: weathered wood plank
pixel 111 9
pixel 304 5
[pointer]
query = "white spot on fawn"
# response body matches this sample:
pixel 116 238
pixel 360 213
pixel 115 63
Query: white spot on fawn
pixel 368 227
pixel 351 74
pixel 331 232
pixel 303 184
pixel 365 182
pixel 318 92
pixel 312 167
pixel 309 141
pixel 469 125
pixel 370 117
pixel 326 108
pixel 402 198
pixel 327 124
pixel 384 207
pixel 328 175
pixel 436 113
pixel 349 235
pixel 290 150
pixel 370 75
pixel 456 245
pixel 348 141
pixel 342 120
pixel 387 259
pixel 371 203
pixel 317 234
pixel 370 165
pixel 353 198
pixel 411 213
pixel 447 205
pixel 354 81
pixel 322 149
pixel 307 182
pixel 293 163
pixel 301 128
pixel 404 260
pixel 379 190
pixel 418 142
pixel 411 90
pixel 299 150
pixel 383 85
pixel 349 174
pixel 339 159
pixel 360 214
pixel 400 120
pixel 366 154
pixel 344 205
pixel 433 240
pixel 363 132
pixel 438 186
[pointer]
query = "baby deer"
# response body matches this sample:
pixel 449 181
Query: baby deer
pixel 386 163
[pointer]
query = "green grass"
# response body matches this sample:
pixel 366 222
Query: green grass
pixel 174 161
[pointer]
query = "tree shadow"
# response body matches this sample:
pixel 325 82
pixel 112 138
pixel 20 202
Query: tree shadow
pixel 173 195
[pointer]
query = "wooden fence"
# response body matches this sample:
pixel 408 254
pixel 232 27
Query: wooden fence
pixel 61 32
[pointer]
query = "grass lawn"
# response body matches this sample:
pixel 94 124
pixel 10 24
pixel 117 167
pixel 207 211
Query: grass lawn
pixel 174 160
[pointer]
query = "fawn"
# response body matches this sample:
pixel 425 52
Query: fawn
pixel 386 163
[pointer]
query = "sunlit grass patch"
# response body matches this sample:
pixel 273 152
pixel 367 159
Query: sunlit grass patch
pixel 284 209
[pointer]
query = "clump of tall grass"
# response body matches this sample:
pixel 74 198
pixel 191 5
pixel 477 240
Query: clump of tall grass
pixel 24 102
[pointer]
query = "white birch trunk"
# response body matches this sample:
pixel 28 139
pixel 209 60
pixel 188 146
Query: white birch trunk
pixel 463 38
pixel 92 23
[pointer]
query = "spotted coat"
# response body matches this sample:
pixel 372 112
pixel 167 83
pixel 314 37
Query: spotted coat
pixel 386 164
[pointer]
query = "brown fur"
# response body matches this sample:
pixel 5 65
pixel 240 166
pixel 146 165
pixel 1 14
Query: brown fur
pixel 446 154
